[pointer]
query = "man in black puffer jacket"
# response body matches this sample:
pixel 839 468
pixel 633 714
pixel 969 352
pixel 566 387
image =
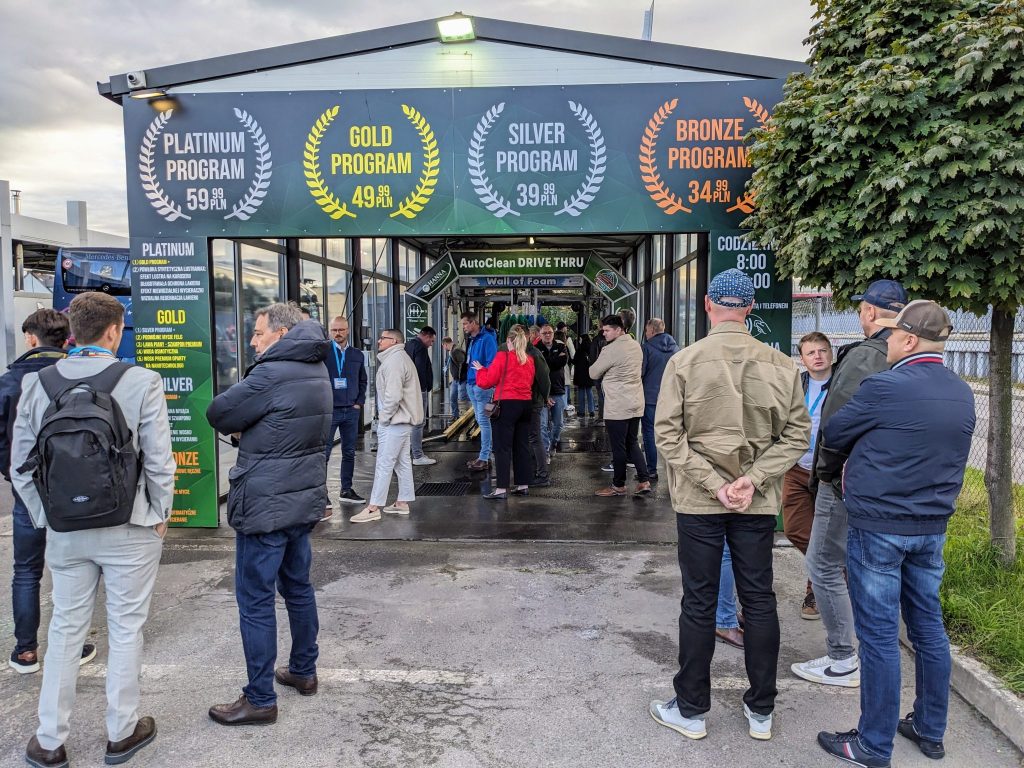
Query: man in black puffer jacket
pixel 281 412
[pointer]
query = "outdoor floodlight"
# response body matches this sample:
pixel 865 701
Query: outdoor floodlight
pixel 456 28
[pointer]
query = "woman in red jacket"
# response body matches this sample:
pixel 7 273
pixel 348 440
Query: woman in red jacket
pixel 511 374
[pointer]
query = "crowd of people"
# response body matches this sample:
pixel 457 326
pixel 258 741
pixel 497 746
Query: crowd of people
pixel 864 457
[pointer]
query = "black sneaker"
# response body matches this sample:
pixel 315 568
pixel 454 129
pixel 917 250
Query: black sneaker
pixel 24 663
pixel 541 482
pixel 930 749
pixel 351 497
pixel 846 746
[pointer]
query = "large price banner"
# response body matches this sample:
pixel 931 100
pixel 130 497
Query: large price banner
pixel 489 161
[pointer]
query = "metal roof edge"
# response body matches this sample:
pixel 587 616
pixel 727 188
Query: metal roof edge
pixel 495 30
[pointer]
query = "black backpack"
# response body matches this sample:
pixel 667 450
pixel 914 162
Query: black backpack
pixel 84 464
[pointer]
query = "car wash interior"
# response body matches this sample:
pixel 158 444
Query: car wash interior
pixel 399 178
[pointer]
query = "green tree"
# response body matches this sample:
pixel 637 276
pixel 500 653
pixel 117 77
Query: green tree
pixel 900 153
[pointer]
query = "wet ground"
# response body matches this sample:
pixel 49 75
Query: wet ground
pixel 473 633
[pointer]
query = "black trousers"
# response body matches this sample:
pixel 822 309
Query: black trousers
pixel 539 454
pixel 622 435
pixel 511 431
pixel 750 540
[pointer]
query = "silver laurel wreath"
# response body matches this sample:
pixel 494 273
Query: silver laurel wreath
pixel 166 207
pixel 494 202
pixel 583 196
pixel 247 206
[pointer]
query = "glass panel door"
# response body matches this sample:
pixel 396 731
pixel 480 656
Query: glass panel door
pixel 262 284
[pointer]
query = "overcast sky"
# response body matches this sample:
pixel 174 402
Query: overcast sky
pixel 59 140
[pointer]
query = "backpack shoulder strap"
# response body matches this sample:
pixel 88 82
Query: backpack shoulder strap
pixel 107 379
pixel 53 383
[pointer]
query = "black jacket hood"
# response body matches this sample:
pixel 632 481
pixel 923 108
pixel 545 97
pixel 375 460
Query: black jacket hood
pixel 305 343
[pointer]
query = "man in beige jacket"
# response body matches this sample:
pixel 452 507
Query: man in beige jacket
pixel 620 364
pixel 730 422
pixel 399 408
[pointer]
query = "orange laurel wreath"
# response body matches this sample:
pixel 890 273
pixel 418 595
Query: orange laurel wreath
pixel 745 203
pixel 660 193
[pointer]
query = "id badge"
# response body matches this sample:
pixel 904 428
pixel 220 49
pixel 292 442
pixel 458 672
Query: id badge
pixel 341 382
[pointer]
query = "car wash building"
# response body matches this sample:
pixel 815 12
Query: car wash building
pixel 400 176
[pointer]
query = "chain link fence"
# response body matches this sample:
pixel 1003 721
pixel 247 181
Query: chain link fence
pixel 966 354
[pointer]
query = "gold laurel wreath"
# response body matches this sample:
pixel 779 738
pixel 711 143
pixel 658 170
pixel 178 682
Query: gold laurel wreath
pixel 420 196
pixel 746 202
pixel 669 202
pixel 330 203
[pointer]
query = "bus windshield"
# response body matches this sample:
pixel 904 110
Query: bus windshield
pixel 93 272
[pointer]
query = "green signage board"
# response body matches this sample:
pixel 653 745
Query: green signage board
pixel 772 318
pixel 667 157
pixel 170 302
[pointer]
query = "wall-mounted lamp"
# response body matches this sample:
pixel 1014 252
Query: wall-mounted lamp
pixel 138 86
pixel 148 93
pixel 456 28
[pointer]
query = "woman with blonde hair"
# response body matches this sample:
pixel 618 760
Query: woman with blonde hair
pixel 511 374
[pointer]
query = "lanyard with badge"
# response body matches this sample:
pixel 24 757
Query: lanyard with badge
pixel 340 382
pixel 813 407
pixel 89 350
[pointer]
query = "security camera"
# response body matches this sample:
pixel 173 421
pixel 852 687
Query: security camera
pixel 136 79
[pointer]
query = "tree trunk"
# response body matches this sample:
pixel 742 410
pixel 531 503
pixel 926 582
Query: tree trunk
pixel 998 471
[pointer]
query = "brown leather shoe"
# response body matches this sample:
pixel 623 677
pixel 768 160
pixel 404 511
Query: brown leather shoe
pixel 478 465
pixel 643 489
pixel 241 712
pixel 304 685
pixel 733 637
pixel 45 758
pixel 121 751
pixel 611 490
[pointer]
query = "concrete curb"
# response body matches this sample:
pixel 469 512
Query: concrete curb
pixel 982 690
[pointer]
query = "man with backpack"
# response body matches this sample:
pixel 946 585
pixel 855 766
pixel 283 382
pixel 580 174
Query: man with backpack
pixel 46 333
pixel 91 460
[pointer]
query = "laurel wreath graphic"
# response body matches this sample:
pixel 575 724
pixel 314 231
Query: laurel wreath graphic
pixel 420 196
pixel 746 201
pixel 329 203
pixel 253 199
pixel 494 202
pixel 584 196
pixel 669 202
pixel 166 207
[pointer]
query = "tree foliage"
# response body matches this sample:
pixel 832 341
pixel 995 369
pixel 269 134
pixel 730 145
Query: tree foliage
pixel 900 152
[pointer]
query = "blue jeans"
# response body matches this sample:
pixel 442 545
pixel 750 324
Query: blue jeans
pixel 725 614
pixel 479 398
pixel 889 573
pixel 584 400
pixel 29 550
pixel 456 392
pixel 647 433
pixel 345 420
pixel 551 420
pixel 261 560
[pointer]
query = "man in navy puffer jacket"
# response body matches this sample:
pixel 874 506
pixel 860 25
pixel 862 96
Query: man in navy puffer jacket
pixel 282 411
pixel 908 434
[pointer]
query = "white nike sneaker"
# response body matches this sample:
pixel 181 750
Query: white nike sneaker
pixel 828 671
pixel 667 714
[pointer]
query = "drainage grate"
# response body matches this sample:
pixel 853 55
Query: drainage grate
pixel 444 489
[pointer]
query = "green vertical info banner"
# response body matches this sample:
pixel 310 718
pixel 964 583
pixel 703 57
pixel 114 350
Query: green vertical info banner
pixel 772 318
pixel 170 302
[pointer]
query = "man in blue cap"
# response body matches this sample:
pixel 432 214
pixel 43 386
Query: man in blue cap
pixel 730 421
pixel 826 550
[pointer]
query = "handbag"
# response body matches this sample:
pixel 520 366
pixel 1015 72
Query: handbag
pixel 492 410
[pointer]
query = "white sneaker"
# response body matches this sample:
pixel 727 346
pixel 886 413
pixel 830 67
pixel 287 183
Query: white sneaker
pixel 393 510
pixel 667 713
pixel 828 671
pixel 366 516
pixel 760 725
pixel 424 461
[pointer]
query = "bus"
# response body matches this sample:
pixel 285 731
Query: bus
pixel 109 270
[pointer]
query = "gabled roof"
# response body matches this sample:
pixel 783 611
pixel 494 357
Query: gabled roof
pixel 419 32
